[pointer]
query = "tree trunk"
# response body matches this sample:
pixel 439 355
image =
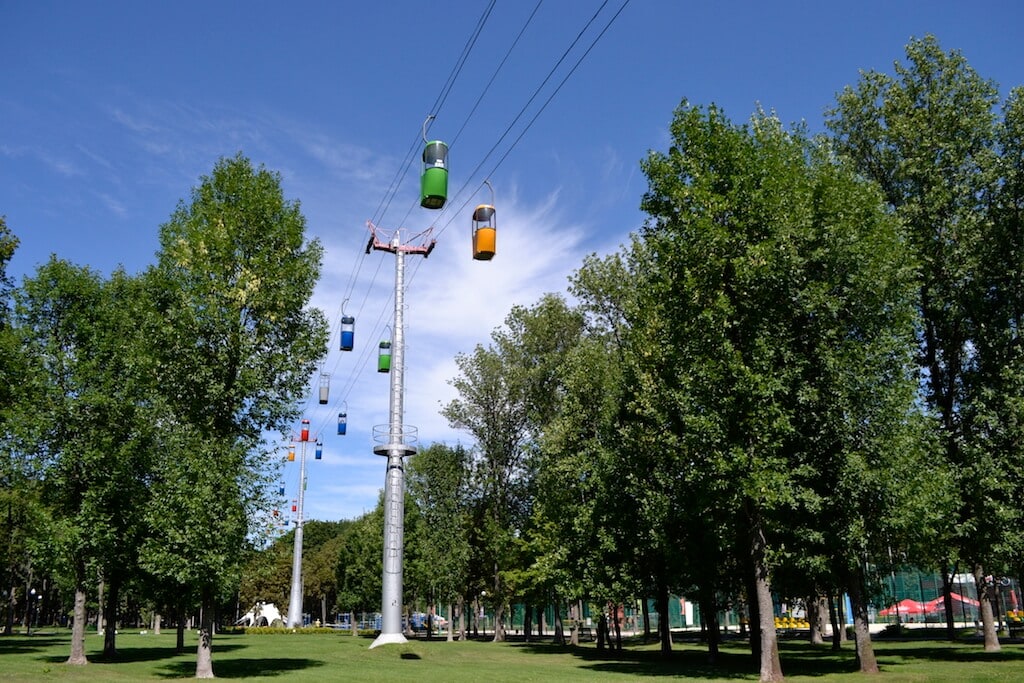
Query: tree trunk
pixel 323 609
pixel 833 617
pixel 352 622
pixel 986 593
pixel 9 621
pixel 617 626
pixel 451 624
pixel 754 618
pixel 576 614
pixel 156 623
pixel 499 622
pixel 100 611
pixel 78 630
pixel 645 611
pixel 462 618
pixel 204 651
pixel 709 617
pixel 947 601
pixel 664 628
pixel 770 664
pixel 179 642
pixel 559 626
pixel 818 613
pixel 527 621
pixel 110 633
pixel 866 661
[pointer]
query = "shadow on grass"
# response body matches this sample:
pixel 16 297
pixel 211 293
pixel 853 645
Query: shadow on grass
pixel 19 644
pixel 947 653
pixel 242 668
pixel 690 658
pixel 129 655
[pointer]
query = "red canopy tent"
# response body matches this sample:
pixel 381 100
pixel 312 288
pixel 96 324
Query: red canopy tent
pixel 937 604
pixel 905 606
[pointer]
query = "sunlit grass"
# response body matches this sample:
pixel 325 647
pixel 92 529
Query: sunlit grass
pixel 337 656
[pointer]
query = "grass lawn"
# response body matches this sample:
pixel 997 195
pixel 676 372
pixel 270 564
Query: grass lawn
pixel 330 657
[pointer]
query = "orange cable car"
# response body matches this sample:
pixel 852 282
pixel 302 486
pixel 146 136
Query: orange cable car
pixel 485 229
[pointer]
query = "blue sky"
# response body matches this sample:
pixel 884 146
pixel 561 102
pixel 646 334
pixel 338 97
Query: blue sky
pixel 111 111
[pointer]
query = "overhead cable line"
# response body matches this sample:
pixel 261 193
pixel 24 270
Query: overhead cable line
pixel 397 180
pixel 536 92
pixel 494 75
pixel 385 204
pixel 533 120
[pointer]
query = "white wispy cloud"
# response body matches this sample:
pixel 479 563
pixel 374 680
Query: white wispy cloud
pixel 56 163
pixel 453 303
pixel 115 205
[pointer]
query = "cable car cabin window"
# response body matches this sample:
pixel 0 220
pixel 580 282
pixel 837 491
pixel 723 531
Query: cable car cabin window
pixel 435 154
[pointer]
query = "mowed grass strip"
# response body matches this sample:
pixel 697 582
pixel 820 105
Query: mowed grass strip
pixel 320 657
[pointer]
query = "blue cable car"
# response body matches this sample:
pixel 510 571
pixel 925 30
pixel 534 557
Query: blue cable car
pixel 319 450
pixel 348 332
pixel 342 423
pixel 280 490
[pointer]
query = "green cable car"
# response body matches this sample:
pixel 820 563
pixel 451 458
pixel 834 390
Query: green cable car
pixel 384 357
pixel 434 181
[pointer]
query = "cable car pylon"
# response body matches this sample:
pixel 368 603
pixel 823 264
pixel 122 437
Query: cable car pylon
pixel 395 441
pixel 294 618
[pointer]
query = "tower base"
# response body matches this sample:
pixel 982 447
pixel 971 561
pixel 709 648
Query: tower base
pixel 388 638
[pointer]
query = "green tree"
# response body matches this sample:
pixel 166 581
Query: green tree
pixel 765 268
pixel 360 563
pixel 320 563
pixel 508 393
pixel 16 478
pixel 995 415
pixel 267 573
pixel 926 136
pixel 492 407
pixel 236 346
pixel 438 480
pixel 588 467
pixel 91 429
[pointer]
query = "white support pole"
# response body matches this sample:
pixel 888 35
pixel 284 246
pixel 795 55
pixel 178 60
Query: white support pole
pixel 394 482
